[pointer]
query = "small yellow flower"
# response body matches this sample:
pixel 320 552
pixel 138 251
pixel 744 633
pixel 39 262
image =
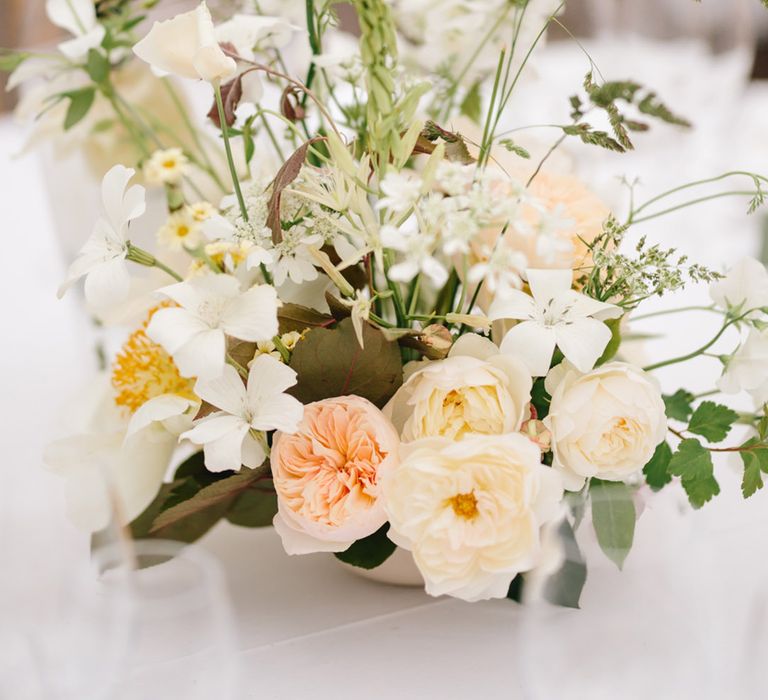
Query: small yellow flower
pixel 266 347
pixel 228 254
pixel 181 230
pixel 166 167
pixel 290 339
pixel 142 370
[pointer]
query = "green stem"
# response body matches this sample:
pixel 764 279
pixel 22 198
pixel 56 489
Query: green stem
pixel 678 310
pixel 142 257
pixel 690 203
pixel 702 349
pixel 397 297
pixel 284 352
pixel 228 149
pixel 314 45
pixel 484 146
pixel 271 133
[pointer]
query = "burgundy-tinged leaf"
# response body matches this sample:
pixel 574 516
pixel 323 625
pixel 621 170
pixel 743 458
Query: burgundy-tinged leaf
pixel 290 104
pixel 231 93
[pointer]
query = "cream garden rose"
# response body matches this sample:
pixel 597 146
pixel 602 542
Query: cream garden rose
pixel 471 511
pixel 327 475
pixel 605 423
pixel 474 390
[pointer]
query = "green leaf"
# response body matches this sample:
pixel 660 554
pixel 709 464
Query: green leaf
pixel 712 421
pixel 330 362
pixel 471 105
pixel 679 405
pixel 370 552
pixel 80 102
pixel 293 317
pixel 693 463
pixel 565 586
pixel 11 61
pixel 540 398
pixel 512 147
pixel 205 508
pixel 613 517
pixel 657 470
pixel 97 66
pixel 255 507
pixel 515 591
pixel 755 459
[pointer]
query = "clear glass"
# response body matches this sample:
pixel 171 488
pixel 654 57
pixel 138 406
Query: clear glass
pixel 149 619
pixel 641 632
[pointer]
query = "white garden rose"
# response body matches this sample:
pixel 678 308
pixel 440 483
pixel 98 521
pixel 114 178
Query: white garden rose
pixel 471 511
pixel 605 423
pixel 474 390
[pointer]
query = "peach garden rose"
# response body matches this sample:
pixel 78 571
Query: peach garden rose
pixel 328 474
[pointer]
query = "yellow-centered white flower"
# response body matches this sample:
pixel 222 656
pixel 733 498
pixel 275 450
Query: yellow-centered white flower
pixel 606 423
pixel 553 316
pixel 211 307
pixel 474 390
pixel 102 259
pixel 471 511
pixel 186 45
pixel 233 436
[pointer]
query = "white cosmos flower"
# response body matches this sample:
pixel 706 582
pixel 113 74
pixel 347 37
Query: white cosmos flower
pixel 186 45
pixel 555 315
pixel 744 287
pixel 211 307
pixel 227 436
pixel 417 249
pixel 748 368
pixel 78 17
pixel 102 259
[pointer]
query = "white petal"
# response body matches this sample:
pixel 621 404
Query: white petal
pixel 253 454
pixel 533 344
pixel 226 453
pixel 268 377
pixel 119 205
pixel 512 304
pixel 582 342
pixel 586 306
pixel 203 356
pixel 296 542
pixel 252 315
pixel 226 392
pixel 158 409
pixel 283 413
pixel 108 283
pixel 547 284
pixel 77 48
pixel 76 16
pixel 212 428
pixel 174 328
pixel 473 345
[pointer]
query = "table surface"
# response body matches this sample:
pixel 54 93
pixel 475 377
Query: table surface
pixel 307 627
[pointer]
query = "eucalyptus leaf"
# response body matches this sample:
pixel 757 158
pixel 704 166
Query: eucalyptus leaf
pixel 80 102
pixel 613 517
pixel 330 362
pixel 371 551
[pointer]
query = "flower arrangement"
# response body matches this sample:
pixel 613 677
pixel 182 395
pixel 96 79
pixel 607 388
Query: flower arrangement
pixel 362 324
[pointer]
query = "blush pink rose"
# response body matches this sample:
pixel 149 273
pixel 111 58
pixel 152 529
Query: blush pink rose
pixel 328 473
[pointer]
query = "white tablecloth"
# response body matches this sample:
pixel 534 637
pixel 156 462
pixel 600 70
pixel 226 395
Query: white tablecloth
pixel 307 628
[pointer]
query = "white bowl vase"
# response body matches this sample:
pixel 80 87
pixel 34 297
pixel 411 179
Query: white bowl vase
pixel 398 570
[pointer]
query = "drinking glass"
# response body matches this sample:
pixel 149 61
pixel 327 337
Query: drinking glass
pixel 148 619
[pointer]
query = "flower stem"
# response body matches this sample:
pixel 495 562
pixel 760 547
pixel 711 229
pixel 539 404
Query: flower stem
pixel 678 310
pixel 142 257
pixel 702 349
pixel 228 149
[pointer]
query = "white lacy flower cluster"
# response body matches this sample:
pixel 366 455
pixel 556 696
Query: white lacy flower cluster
pixel 487 218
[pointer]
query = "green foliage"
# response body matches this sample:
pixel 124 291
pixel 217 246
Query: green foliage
pixel 614 325
pixel 754 455
pixel 678 405
pixel 80 102
pixel 657 470
pixel 540 398
pixel 330 362
pixel 371 551
pixel 293 317
pixel 512 147
pixel 564 587
pixel 471 105
pixel 613 517
pixel 11 60
pixel 693 464
pixel 593 137
pixel 712 421
pixel 255 507
pixel 97 66
pixel 190 505
pixel 625 280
